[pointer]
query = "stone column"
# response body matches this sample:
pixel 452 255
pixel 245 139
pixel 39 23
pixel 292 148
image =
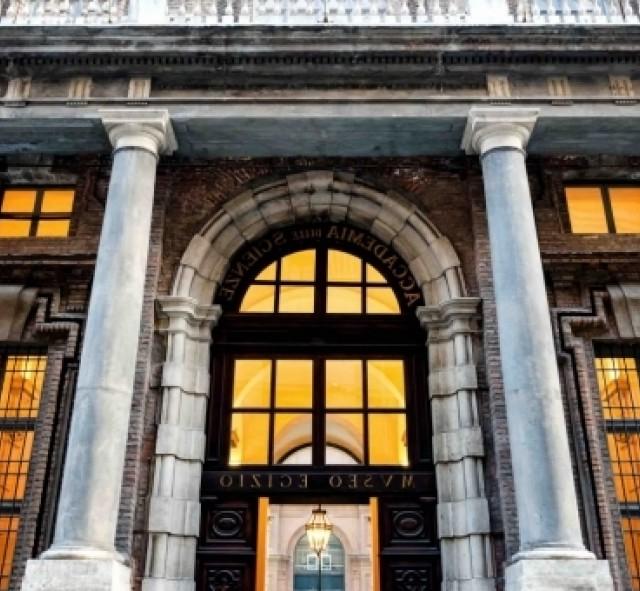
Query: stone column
pixel 83 554
pixel 552 554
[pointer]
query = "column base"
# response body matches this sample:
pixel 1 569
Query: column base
pixel 151 584
pixel 558 574
pixel 76 575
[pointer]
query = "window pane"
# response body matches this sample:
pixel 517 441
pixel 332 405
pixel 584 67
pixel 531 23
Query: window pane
pixel 385 381
pixel 624 450
pixel 249 439
pixel 374 276
pixel 18 201
pixel 252 383
pixel 382 300
pixel 14 228
pixel 57 201
pixel 342 266
pixel 22 386
pixel 268 273
pixel 296 299
pixel 345 431
pixel 8 535
pixel 299 266
pixel 344 300
pixel 292 431
pixel 388 439
pixel 15 454
pixel 293 383
pixel 586 210
pixel 619 387
pixel 631 535
pixel 259 298
pixel 625 204
pixel 343 383
pixel 53 228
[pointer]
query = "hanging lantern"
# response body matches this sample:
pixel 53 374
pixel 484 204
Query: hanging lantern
pixel 318 530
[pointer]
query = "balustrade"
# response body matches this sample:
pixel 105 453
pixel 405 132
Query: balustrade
pixel 314 12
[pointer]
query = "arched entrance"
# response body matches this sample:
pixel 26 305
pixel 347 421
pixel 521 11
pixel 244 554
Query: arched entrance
pixel 187 317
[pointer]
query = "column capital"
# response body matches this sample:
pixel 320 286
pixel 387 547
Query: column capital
pixel 140 128
pixel 498 127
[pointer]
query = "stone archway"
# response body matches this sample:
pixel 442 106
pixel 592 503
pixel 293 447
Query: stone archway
pixel 187 317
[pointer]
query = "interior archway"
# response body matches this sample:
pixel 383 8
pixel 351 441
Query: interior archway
pixel 449 317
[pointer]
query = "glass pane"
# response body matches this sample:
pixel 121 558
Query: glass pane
pixel 624 450
pixel 8 535
pixel 388 439
pixel 342 266
pixel 293 383
pixel 382 300
pixel 625 204
pixel 385 382
pixel 344 300
pixel 19 201
pixel 586 210
pixel 53 228
pixel 631 535
pixel 345 431
pixel 14 228
pixel 259 298
pixel 299 266
pixel 15 454
pixel 252 383
pixel 296 299
pixel 57 201
pixel 619 387
pixel 343 383
pixel 268 273
pixel 292 431
pixel 374 276
pixel 249 439
pixel 22 386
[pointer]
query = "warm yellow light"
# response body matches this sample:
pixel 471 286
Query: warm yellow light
pixel 318 530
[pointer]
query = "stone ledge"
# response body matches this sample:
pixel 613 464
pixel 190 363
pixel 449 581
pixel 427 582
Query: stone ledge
pixel 558 575
pixel 151 584
pixel 76 575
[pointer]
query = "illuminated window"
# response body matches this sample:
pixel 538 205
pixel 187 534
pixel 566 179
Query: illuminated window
pixel 361 412
pixel 618 371
pixel 293 284
pixel 33 212
pixel 603 209
pixel 22 378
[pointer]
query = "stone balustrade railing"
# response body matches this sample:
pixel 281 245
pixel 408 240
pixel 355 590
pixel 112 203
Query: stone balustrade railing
pixel 314 12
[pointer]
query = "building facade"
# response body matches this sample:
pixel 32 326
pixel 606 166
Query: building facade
pixel 256 256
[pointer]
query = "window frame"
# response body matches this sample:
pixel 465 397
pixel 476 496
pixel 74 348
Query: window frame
pixel 629 426
pixel 604 188
pixel 36 215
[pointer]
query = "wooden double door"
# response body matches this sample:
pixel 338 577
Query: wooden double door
pixel 408 553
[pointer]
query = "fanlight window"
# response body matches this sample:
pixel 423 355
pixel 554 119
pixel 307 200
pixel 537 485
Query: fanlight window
pixel 318 280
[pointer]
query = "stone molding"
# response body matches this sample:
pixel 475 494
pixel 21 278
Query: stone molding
pixel 450 319
pixel 142 129
pixel 489 128
pixel 625 301
pixel 16 301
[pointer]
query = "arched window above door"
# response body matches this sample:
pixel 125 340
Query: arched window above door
pixel 320 280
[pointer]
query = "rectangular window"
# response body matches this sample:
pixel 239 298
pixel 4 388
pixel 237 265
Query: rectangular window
pixel 603 209
pixel 21 380
pixel 618 373
pixel 36 212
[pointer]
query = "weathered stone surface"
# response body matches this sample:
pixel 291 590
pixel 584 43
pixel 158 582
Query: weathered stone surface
pixel 76 575
pixel 558 575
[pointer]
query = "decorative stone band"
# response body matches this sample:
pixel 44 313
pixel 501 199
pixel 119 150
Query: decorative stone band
pixel 141 129
pixel 493 128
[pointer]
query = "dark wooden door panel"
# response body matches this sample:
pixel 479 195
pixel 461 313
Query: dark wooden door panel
pixel 226 558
